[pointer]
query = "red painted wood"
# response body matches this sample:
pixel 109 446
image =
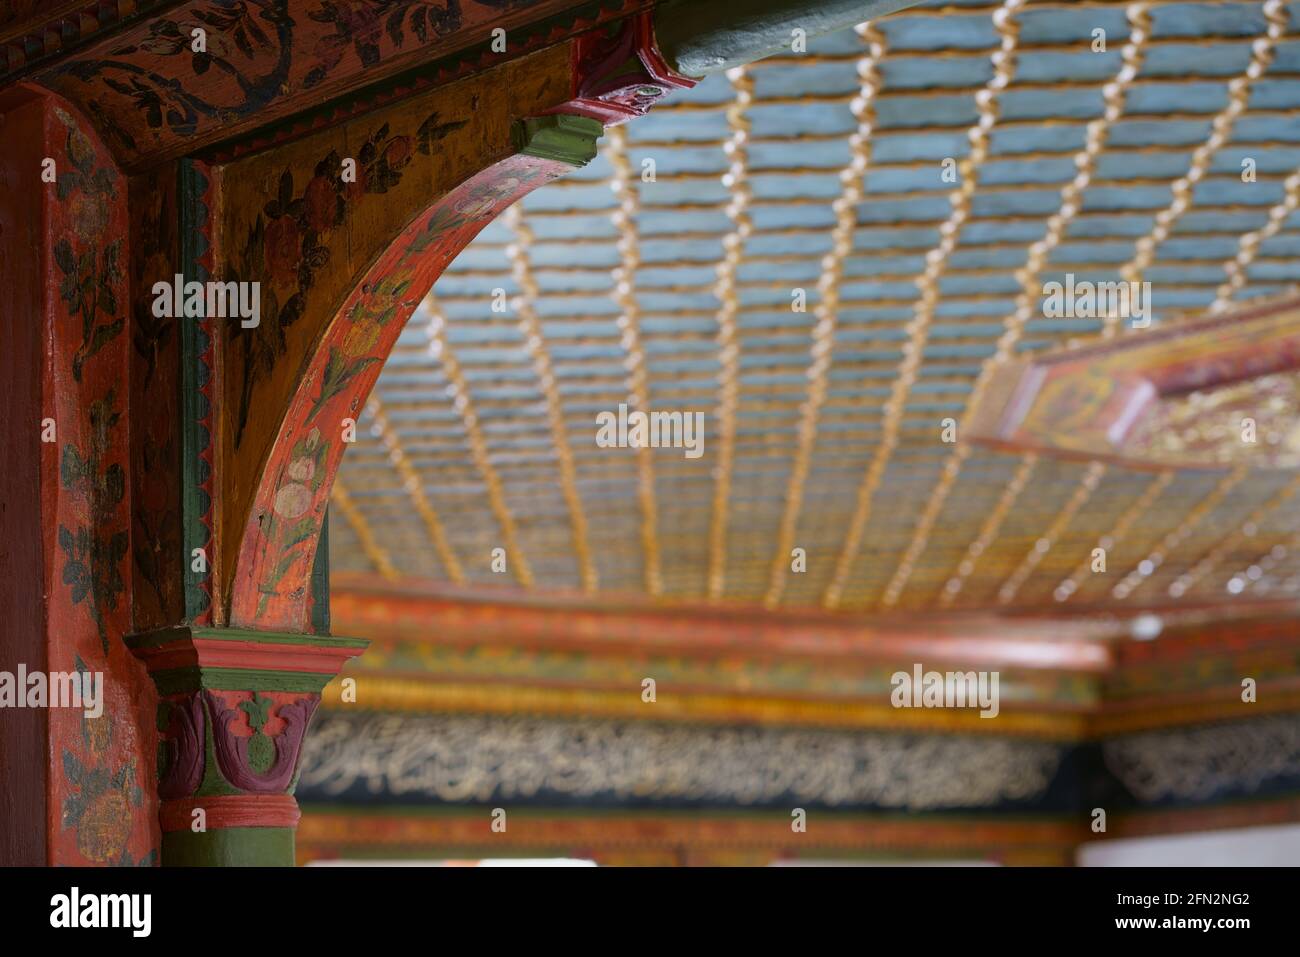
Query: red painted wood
pixel 232 810
pixel 376 612
pixel 100 804
pixel 271 586
pixel 22 730
pixel 216 653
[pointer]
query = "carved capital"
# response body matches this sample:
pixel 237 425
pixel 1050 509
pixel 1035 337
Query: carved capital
pixel 233 712
pixel 618 72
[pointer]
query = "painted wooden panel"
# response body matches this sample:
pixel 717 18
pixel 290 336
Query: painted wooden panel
pixel 100 807
pixel 155 96
pixel 1174 397
pixel 289 221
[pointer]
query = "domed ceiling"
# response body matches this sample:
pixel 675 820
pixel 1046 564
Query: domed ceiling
pixel 827 255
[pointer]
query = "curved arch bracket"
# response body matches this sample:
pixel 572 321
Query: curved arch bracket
pixel 270 587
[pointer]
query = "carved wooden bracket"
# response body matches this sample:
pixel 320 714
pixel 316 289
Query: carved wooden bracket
pixel 1213 393
pixel 232 715
pixel 619 73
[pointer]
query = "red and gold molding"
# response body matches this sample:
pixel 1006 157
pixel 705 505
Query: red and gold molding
pixel 1126 399
pixel 327 833
pixel 718 838
pixel 230 810
pixel 380 693
pixel 168 649
pixel 1226 816
pixel 368 605
pixel 491 650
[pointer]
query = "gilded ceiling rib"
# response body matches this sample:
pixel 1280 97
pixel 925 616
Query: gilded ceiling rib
pixel 531 329
pixel 1262 564
pixel 1226 546
pixel 989 530
pixel 1027 307
pixel 1262 52
pixel 1091 479
pixel 852 178
pixel 986 101
pixel 733 248
pixel 1145 568
pixel 629 323
pixel 1145 249
pixel 342 500
pixel 1248 245
pixel 458 388
pixel 1066 589
pixel 414 486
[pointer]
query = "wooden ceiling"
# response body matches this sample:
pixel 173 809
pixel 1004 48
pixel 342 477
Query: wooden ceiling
pixel 820 177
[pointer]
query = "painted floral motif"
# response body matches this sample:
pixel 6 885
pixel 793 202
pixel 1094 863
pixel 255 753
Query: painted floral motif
pixel 239 35
pixel 479 204
pixel 94 551
pixel 291 508
pixel 89 275
pixel 360 25
pixel 289 240
pixel 98 800
pixel 254 51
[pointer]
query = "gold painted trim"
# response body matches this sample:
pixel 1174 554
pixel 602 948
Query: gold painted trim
pixel 398 694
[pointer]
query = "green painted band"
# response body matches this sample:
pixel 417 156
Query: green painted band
pixel 230 847
pixel 181 680
pixel 563 137
pixel 196 505
pixel 166 636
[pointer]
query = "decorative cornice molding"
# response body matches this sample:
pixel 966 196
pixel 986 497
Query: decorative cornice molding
pixel 328 831
pixel 38 43
pixel 186 658
pixel 526 39
pixel 459 696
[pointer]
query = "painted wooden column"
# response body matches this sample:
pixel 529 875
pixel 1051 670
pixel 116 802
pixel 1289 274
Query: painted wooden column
pixel 233 710
pixel 78 780
pixel 343 263
pixel 343 230
pixel 176 516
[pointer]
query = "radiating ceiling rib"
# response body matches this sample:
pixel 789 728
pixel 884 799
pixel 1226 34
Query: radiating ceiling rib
pixel 852 178
pixel 1066 589
pixel 1248 246
pixel 1145 568
pixel 463 404
pixel 1004 64
pixel 342 500
pixel 531 329
pixel 1211 560
pixel 1145 248
pixel 728 338
pixel 414 485
pixel 624 293
pixel 1254 575
pixel 1262 52
pixel 1091 478
pixel 989 530
pixel 1027 302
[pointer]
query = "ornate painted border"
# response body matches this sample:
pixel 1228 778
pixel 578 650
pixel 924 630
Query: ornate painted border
pixel 327 832
pixel 197 384
pixel 473 59
pixel 63 33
